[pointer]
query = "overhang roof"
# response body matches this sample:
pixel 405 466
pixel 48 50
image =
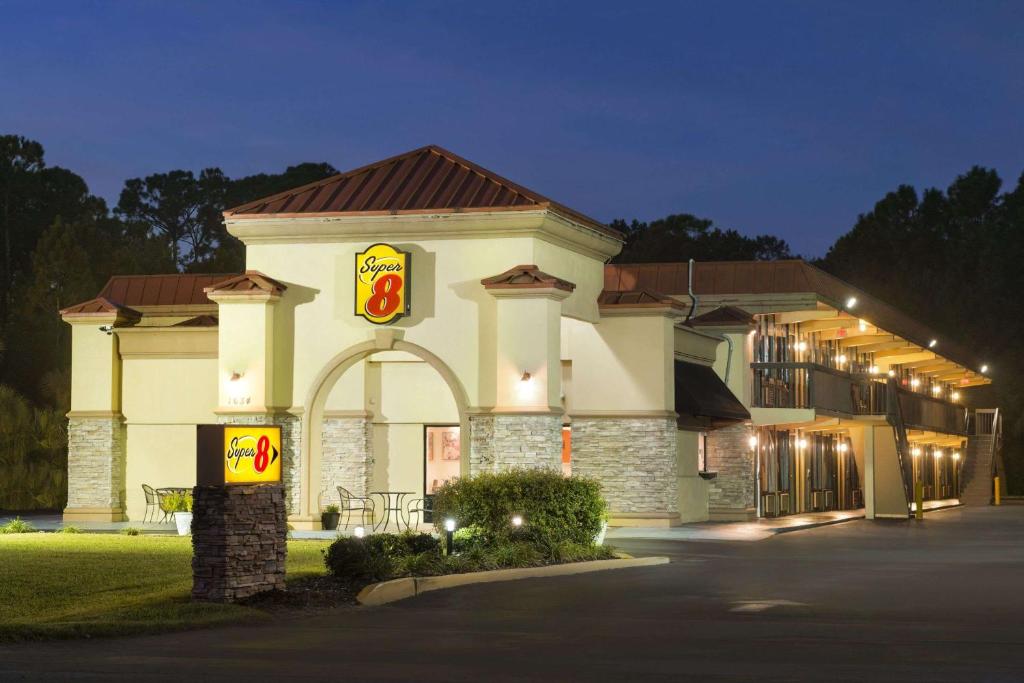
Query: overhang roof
pixel 723 316
pixel 174 289
pixel 100 307
pixel 426 179
pixel 247 282
pixel 725 278
pixel 642 298
pixel 702 398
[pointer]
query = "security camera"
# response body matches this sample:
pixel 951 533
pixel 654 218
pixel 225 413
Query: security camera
pixel 109 329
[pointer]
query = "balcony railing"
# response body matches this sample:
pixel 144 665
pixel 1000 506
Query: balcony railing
pixel 811 386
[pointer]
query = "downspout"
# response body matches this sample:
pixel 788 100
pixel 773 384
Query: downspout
pixel 689 290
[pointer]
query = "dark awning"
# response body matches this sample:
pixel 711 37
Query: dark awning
pixel 702 399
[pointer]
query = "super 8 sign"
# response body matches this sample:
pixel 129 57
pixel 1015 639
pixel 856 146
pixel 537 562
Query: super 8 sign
pixel 382 284
pixel 248 454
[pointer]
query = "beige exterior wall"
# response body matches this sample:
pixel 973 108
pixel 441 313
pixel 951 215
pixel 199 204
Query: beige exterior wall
pixel 96 377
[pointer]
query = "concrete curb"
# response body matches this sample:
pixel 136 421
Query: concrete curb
pixel 400 589
pixel 815 525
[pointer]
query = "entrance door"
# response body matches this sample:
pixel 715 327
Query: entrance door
pixel 441 461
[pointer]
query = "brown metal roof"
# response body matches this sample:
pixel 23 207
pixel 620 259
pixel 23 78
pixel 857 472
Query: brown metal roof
pixel 199 321
pixel 100 306
pixel 175 289
pixel 781 277
pixel 639 298
pixel 426 179
pixel 526 277
pixel 721 317
pixel 249 281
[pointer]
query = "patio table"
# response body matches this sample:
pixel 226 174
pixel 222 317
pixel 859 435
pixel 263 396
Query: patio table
pixel 393 501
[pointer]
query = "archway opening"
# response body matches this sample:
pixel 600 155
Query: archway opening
pixel 382 418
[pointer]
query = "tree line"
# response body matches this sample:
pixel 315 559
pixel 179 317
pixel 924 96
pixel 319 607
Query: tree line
pixel 951 256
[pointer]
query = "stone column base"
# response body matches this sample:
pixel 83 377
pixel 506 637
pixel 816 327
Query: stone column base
pixel 239 541
pixel 93 515
pixel 503 441
pixel 732 494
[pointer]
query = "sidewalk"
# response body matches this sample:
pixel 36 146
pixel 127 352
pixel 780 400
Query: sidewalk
pixel 756 530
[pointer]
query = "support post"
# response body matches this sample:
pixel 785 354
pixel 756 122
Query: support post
pixel 919 499
pixel 995 497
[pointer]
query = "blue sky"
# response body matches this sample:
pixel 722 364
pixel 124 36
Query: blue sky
pixel 778 117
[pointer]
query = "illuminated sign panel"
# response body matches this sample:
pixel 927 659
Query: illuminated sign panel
pixel 382 284
pixel 252 455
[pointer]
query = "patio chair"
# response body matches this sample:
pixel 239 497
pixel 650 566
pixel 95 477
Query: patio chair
pixel 152 503
pixel 422 508
pixel 351 502
pixel 161 494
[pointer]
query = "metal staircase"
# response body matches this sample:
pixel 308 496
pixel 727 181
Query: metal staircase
pixel 982 461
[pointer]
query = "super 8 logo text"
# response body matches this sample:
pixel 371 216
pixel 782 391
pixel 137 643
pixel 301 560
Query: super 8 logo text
pixel 382 284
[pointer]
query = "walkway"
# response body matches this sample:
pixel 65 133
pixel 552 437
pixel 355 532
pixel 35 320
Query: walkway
pixel 756 530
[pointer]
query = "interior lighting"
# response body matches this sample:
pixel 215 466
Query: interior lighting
pixel 752 441
pixel 517 521
pixel 359 532
pixel 851 302
pixel 932 343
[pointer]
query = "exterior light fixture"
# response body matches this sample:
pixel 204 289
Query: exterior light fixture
pixel 862 326
pixel 752 441
pixel 525 378
pixel 937 454
pixel 915 451
pixel 892 373
pixel 955 456
pixel 801 443
pixel 517 521
pixel 936 389
pixel 955 396
pixel 984 369
pixel 915 382
pixel 801 346
pixel 449 531
pixel 873 369
pixel 843 447
pixel 235 376
pixel 359 532
pixel 842 358
pixel 932 343
pixel 851 302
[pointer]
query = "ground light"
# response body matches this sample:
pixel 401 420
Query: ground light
pixel 359 532
pixel 449 531
pixel 517 521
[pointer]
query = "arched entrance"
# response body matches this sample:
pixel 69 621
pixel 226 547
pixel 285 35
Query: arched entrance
pixel 313 416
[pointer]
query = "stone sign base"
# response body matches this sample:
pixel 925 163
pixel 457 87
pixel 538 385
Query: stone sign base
pixel 239 541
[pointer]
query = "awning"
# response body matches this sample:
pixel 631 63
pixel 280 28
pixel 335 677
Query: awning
pixel 702 399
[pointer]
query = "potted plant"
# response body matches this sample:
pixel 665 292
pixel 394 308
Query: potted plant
pixel 330 517
pixel 179 505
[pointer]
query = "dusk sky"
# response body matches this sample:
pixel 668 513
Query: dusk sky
pixel 768 117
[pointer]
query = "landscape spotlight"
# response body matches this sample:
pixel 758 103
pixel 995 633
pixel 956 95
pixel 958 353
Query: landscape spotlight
pixel 449 529
pixel 359 532
pixel 517 521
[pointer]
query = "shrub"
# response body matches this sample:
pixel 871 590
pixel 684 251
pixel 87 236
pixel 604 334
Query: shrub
pixel 17 526
pixel 69 530
pixel 332 509
pixel 554 508
pixel 381 556
pixel 176 501
pixel 131 531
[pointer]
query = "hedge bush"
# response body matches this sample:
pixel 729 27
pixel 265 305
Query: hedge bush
pixel 376 557
pixel 555 509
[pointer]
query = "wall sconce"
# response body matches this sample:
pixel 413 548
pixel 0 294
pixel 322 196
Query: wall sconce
pixel 955 396
pixel 843 447
pixel 752 442
pixel 862 326
pixel 915 382
pixel 936 389
pixel 842 359
pixel 873 369
pixel 937 454
pixel 956 456
pixel 235 376
pixel 526 377
pixel 801 346
pixel 915 451
pixel 801 443
pixel 892 373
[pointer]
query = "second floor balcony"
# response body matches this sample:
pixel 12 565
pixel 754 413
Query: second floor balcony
pixel 844 394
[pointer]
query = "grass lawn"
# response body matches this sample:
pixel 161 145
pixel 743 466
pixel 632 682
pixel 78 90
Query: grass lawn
pixel 67 585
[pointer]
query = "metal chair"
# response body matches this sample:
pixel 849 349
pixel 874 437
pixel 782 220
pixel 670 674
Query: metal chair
pixel 422 508
pixel 350 502
pixel 152 503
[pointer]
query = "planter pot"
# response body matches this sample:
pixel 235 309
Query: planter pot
pixel 183 520
pixel 329 520
pixel 599 539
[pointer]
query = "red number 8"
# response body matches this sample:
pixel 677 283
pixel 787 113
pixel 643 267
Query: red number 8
pixel 262 458
pixel 380 304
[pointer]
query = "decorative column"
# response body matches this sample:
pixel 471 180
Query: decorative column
pixel 97 446
pixel 524 429
pixel 247 307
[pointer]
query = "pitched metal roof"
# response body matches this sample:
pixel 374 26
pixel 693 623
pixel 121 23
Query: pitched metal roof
pixel 100 307
pixel 174 289
pixel 712 278
pixel 249 281
pixel 526 277
pixel 721 317
pixel 637 298
pixel 426 179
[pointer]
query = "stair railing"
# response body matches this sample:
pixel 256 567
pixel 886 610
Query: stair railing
pixel 894 416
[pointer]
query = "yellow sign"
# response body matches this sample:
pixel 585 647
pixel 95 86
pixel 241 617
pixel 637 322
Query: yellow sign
pixel 252 455
pixel 382 284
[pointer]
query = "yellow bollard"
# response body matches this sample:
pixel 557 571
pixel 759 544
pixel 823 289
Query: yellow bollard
pixel 995 484
pixel 919 499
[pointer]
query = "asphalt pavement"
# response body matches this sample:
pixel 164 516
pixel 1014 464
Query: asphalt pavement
pixel 938 600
